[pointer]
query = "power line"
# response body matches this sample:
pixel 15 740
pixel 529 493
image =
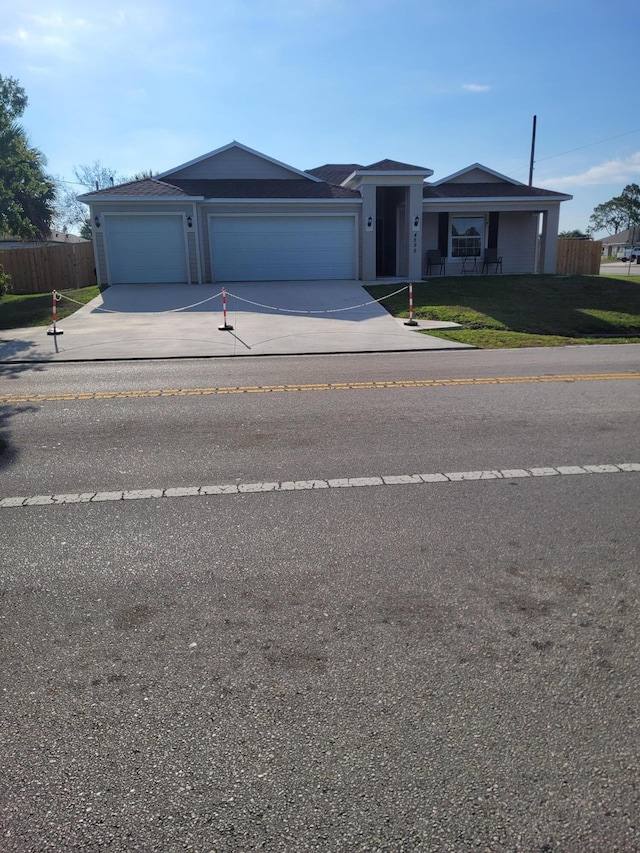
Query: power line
pixel 522 169
pixel 75 183
pixel 589 145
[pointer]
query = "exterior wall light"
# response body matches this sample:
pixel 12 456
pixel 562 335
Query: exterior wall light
pixel 370 223
pixel 416 223
pixel 96 219
pixel 189 222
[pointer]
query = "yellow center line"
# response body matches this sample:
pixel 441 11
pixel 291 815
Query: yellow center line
pixel 317 386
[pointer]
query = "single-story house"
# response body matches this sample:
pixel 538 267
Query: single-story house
pixel 238 215
pixel 621 242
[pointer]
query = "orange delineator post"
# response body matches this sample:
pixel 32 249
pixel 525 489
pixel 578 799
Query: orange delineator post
pixel 411 321
pixel 225 327
pixel 54 313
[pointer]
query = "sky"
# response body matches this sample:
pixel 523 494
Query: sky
pixel 150 84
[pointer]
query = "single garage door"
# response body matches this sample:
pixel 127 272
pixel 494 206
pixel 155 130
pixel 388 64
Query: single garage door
pixel 282 248
pixel 146 249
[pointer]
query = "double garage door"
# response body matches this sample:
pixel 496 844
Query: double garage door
pixel 282 248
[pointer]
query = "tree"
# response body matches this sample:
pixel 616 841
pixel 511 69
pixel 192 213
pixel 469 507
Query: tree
pixel 5 279
pixel 72 213
pixel 27 193
pixel 618 214
pixel 575 234
pixel 13 100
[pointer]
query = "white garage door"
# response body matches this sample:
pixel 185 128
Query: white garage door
pixel 146 249
pixel 282 248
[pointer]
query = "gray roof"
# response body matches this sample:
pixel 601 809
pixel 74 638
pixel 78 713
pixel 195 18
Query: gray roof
pixel 150 187
pixel 331 175
pixel 629 235
pixel 225 188
pixel 335 173
pixel 486 189
pixel 393 166
pixel 260 188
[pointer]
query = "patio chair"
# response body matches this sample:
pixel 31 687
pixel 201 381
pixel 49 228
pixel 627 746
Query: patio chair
pixel 491 257
pixel 435 259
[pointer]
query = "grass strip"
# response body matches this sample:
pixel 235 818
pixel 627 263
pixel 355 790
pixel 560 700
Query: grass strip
pixel 498 312
pixel 24 310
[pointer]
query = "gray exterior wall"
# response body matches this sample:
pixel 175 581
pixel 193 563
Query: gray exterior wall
pixel 429 236
pixel 100 257
pixel 474 176
pixel 234 163
pixel 517 238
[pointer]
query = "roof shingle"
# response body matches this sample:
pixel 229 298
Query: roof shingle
pixel 260 188
pixel 488 189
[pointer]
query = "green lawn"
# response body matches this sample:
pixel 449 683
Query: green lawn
pixel 496 312
pixel 34 309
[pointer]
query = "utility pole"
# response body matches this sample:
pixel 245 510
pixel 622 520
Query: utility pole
pixel 533 151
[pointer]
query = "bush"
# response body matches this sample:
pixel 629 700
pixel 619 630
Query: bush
pixel 5 278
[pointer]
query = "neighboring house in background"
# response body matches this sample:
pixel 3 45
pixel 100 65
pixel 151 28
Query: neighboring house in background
pixel 238 215
pixel 619 243
pixel 53 238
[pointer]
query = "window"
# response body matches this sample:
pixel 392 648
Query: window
pixel 467 237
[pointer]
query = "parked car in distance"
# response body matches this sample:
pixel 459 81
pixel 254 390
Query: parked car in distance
pixel 630 255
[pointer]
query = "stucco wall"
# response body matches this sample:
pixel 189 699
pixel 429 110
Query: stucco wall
pixel 517 236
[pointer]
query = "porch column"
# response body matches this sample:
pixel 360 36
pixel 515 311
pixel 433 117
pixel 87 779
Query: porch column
pixel 414 267
pixel 368 233
pixel 549 239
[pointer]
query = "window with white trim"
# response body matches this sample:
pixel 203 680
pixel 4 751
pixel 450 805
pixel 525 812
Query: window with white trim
pixel 467 236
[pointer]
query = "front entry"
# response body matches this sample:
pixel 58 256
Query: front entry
pixel 391 231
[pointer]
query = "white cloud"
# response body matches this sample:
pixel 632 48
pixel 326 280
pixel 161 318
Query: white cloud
pixel 52 33
pixel 475 87
pixel 618 171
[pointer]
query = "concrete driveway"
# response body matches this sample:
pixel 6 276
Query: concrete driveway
pixel 268 318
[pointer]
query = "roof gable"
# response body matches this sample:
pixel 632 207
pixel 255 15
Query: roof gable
pixel 476 174
pixel 235 162
pixel 394 166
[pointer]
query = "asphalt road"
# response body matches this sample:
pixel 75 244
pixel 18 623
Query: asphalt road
pixel 430 666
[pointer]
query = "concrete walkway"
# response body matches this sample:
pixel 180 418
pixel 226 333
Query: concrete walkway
pixel 268 318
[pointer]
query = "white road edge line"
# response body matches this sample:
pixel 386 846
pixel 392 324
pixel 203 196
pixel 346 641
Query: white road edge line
pixel 300 485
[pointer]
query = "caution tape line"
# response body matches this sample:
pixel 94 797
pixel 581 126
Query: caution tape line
pixel 320 310
pixel 58 296
pixel 318 386
pixel 306 485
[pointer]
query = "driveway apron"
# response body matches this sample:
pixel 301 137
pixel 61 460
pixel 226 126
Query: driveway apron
pixel 182 321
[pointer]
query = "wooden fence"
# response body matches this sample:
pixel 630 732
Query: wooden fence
pixel 44 268
pixel 579 257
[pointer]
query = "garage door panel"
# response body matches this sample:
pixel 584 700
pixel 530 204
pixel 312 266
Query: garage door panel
pixel 146 249
pixel 283 248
